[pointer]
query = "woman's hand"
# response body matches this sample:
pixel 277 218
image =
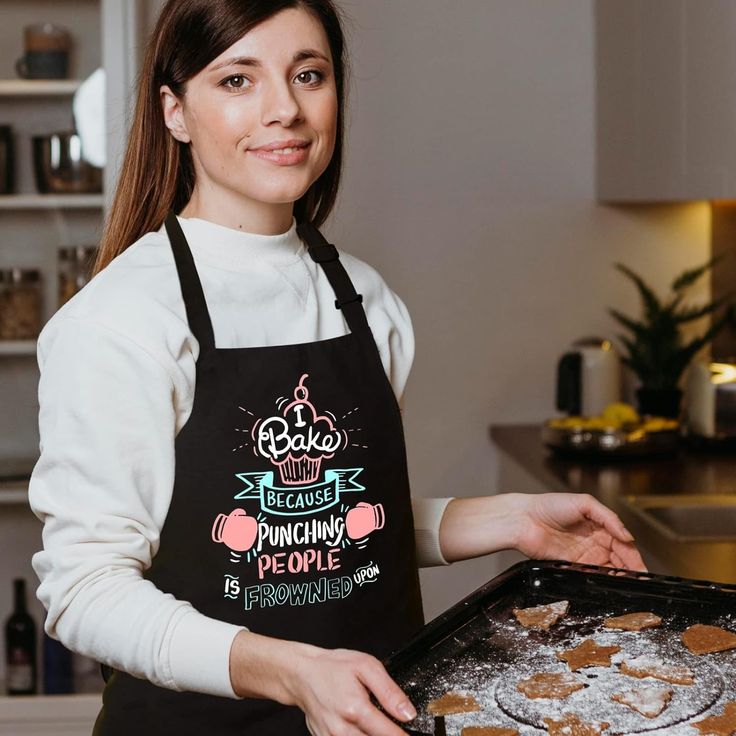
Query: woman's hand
pixel 331 686
pixel 577 528
pixel 562 526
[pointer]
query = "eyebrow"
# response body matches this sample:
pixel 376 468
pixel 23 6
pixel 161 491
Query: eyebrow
pixel 252 61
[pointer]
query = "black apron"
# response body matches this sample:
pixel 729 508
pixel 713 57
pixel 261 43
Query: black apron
pixel 290 513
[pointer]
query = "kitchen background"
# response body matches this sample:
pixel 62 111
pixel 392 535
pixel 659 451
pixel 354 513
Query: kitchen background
pixel 501 157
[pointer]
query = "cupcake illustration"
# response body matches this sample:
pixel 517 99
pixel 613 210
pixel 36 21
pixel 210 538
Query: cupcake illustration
pixel 299 439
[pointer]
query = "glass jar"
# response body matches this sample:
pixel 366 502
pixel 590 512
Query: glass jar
pixel 75 267
pixel 20 303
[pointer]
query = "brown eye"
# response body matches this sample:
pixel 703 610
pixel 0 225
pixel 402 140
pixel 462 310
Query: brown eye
pixel 319 74
pixel 232 78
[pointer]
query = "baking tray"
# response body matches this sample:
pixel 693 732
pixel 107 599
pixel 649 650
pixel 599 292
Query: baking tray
pixel 477 647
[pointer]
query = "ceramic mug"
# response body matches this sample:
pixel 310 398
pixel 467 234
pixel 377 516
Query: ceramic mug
pixel 236 530
pixel 364 518
pixel 46 54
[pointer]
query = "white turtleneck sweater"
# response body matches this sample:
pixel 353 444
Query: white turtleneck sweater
pixel 117 381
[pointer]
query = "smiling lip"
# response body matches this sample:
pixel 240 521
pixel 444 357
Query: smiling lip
pixel 291 143
pixel 266 153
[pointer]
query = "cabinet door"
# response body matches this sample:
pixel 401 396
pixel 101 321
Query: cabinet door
pixel 666 100
pixel 710 92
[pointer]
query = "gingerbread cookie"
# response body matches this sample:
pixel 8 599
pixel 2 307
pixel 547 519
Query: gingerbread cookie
pixel 723 725
pixel 702 639
pixel 633 621
pixel 571 725
pixel 646 666
pixel 649 700
pixel 488 731
pixel 553 685
pixel 588 654
pixel 451 703
pixel 541 617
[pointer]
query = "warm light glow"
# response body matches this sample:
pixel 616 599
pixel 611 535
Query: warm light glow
pixel 722 372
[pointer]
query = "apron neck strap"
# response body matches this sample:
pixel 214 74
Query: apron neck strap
pixel 328 258
pixel 322 252
pixel 191 287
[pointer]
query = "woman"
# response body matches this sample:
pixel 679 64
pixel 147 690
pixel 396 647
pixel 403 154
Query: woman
pixel 223 485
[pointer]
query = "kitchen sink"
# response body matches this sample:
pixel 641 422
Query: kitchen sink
pixel 688 518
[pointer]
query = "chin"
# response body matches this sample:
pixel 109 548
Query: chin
pixel 280 195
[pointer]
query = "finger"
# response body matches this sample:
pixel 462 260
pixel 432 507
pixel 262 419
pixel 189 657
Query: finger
pixel 394 700
pixel 312 730
pixel 630 556
pixel 376 723
pixel 608 519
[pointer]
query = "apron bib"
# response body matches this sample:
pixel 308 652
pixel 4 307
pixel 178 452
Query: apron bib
pixel 290 513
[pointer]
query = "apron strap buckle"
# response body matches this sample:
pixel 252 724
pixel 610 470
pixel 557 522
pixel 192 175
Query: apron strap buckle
pixel 340 304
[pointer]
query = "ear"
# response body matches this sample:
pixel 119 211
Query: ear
pixel 174 114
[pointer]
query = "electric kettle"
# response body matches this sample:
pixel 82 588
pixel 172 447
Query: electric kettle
pixel 588 377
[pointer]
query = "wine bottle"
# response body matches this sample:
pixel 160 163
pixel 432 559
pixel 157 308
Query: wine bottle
pixel 20 645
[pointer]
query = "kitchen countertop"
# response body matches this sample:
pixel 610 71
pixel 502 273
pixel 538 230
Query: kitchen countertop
pixel 688 472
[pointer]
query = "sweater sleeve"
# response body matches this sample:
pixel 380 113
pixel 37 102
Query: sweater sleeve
pixel 427 514
pixel 102 488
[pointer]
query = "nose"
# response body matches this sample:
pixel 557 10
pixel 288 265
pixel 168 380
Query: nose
pixel 279 103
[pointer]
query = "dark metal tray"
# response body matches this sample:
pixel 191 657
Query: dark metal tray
pixel 477 647
pixel 609 444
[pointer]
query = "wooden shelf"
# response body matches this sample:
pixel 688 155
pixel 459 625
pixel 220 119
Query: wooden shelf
pixel 50 201
pixel 38 87
pixel 13 493
pixel 49 710
pixel 17 347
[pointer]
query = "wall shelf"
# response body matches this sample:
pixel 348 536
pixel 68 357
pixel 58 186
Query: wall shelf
pixel 49 714
pixel 13 493
pixel 38 87
pixel 50 201
pixel 17 347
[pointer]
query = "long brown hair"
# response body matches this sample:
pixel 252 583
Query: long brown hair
pixel 157 173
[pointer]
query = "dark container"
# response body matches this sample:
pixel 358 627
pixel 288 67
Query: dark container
pixel 20 645
pixel 659 402
pixel 7 160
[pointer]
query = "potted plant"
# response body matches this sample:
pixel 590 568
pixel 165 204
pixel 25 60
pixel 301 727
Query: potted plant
pixel 657 351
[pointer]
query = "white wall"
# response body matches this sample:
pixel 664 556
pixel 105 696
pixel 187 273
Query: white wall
pixel 470 185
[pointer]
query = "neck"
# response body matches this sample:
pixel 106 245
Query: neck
pixel 239 213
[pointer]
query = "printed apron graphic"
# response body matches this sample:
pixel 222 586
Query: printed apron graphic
pixel 296 522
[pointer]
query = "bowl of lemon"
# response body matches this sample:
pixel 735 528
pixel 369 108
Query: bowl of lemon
pixel 619 431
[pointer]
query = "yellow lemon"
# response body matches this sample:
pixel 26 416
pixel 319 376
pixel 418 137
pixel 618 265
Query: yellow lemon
pixel 620 413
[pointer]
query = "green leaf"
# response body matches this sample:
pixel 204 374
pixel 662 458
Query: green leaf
pixel 688 315
pixel 689 351
pixel 689 277
pixel 631 324
pixel 649 298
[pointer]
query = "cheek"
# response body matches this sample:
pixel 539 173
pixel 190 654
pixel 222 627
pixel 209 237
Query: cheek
pixel 324 119
pixel 221 131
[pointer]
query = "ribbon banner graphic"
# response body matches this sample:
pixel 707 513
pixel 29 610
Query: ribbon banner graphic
pixel 302 500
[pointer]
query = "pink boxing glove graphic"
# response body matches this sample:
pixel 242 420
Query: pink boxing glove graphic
pixel 237 531
pixel 363 519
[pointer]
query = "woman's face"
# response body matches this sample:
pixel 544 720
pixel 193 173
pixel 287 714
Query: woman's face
pixel 271 86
